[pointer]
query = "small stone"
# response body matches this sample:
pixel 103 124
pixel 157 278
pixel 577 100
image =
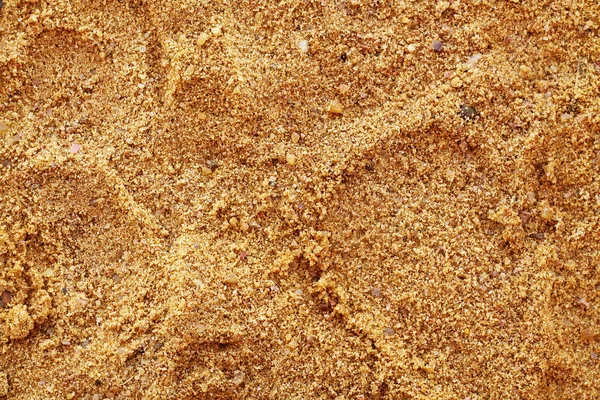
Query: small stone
pixel 205 171
pixel 376 292
pixel 525 217
pixel 389 331
pixel 212 165
pixel 343 88
pixel 203 38
pixel 290 158
pixel 303 45
pixel 231 279
pixel 3 128
pixel 411 48
pixel 295 138
pixel 474 59
pixel 583 302
pixel 5 298
pixel 467 112
pixel 436 45
pixel 216 30
pixel 75 148
pixel 238 378
pixel 116 278
pixel 335 107
pixel 244 227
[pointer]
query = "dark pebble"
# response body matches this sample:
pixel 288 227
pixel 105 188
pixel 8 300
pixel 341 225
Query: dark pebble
pixel 212 165
pixel 467 112
pixel 436 45
pixel 538 236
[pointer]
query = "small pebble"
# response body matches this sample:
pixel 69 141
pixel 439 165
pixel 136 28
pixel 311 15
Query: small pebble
pixel 473 60
pixel 436 45
pixel 5 299
pixel 231 279
pixel 202 39
pixel 335 107
pixel 290 158
pixel 467 112
pixel 238 378
pixel 75 148
pixel 411 48
pixel 389 331
pixel 376 292
pixel 295 138
pixel 212 165
pixel 343 88
pixel 206 171
pixel 303 45
pixel 583 303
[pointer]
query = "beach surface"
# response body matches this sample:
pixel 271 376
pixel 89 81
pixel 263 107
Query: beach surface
pixel 300 199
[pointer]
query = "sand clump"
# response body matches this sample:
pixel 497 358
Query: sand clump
pixel 272 200
pixel 18 323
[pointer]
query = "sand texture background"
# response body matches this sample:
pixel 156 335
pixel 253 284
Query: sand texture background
pixel 299 199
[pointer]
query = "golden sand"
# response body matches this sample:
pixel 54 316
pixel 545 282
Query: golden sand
pixel 300 199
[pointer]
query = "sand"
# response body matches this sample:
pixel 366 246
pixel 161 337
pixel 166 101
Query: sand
pixel 300 199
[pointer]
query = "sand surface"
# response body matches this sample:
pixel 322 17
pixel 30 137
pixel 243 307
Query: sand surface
pixel 300 199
